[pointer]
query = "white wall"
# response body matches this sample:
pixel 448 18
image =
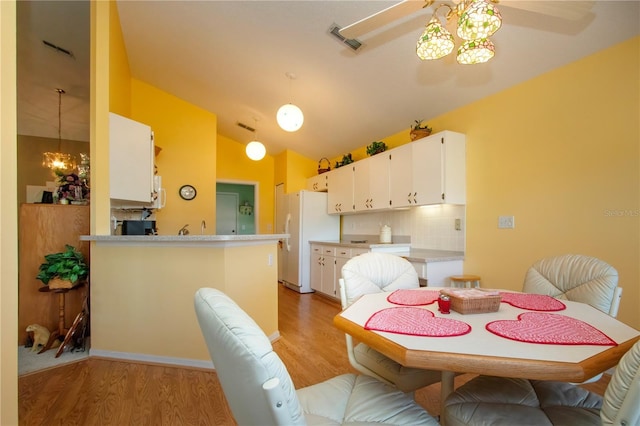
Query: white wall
pixel 429 227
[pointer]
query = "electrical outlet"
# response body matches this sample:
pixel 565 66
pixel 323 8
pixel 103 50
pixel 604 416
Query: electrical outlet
pixel 458 225
pixel 506 222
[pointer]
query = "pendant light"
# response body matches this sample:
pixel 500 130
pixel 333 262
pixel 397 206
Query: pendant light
pixel 255 149
pixel 59 162
pixel 289 116
pixel 435 42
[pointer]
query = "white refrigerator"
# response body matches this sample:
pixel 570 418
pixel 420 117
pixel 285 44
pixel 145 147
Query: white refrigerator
pixel 306 219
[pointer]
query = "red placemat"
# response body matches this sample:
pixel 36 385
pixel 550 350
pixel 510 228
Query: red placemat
pixel 415 322
pixel 552 329
pixel 413 297
pixel 533 302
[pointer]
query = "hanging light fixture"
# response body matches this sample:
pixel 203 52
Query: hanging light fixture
pixel 475 51
pixel 59 162
pixel 477 21
pixel 435 42
pixel 289 116
pixel 255 149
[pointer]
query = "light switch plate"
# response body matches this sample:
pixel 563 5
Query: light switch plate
pixel 506 222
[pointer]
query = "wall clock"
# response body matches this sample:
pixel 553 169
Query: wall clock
pixel 188 192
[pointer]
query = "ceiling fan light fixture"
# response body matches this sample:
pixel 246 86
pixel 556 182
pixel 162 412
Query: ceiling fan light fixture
pixel 479 20
pixel 290 117
pixel 435 42
pixel 475 52
pixel 255 150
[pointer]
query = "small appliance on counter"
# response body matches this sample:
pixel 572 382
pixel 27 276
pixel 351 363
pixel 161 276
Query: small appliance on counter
pixel 385 234
pixel 138 227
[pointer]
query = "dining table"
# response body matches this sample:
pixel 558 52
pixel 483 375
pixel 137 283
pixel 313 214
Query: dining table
pixel 527 336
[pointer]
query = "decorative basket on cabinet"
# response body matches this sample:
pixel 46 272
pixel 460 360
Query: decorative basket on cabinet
pixel 321 165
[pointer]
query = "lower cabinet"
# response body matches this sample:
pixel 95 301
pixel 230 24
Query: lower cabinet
pixel 326 267
pixel 437 273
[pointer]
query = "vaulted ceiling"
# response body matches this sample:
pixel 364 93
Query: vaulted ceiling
pixel 231 58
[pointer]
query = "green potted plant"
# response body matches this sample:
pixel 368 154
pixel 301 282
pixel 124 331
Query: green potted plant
pixel 64 269
pixel 376 148
pixel 419 130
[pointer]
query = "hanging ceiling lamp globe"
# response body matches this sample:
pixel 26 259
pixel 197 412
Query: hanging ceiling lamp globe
pixel 290 117
pixel 255 150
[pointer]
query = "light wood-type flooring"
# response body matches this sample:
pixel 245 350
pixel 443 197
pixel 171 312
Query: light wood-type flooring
pixel 107 392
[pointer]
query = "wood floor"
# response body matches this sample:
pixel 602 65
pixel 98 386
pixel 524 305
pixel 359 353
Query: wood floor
pixel 105 392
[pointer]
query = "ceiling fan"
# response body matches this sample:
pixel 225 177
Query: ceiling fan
pixel 572 10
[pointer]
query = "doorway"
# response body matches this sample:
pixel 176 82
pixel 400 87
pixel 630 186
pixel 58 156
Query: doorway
pixel 236 208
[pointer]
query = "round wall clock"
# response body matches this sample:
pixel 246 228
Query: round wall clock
pixel 188 192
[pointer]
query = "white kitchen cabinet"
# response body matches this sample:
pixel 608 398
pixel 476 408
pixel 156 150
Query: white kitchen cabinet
pixel 371 183
pixel 437 273
pixel 340 196
pixel 131 160
pixel 429 171
pixel 317 258
pixel 318 183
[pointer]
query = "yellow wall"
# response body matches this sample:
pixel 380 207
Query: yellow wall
pixel 187 136
pixel 233 165
pixel 561 153
pixel 293 170
pixel 8 218
pixel 119 72
pixel 146 307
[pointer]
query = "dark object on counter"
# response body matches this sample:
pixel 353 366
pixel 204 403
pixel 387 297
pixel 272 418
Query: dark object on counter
pixel 138 227
pixel 47 197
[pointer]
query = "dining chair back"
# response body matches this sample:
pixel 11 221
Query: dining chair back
pixel 578 278
pixel 375 272
pixel 260 391
pixel 501 400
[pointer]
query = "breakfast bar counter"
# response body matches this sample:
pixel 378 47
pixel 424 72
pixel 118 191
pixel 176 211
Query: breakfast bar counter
pixel 142 289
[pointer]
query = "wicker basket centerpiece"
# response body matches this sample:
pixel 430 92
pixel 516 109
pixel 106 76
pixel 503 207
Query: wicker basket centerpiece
pixel 324 165
pixel 473 300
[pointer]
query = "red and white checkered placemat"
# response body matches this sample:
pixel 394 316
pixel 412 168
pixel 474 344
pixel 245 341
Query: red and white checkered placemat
pixel 413 297
pixel 533 302
pixel 547 328
pixel 415 322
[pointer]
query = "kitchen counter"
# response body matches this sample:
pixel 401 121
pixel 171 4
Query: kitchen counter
pixel 393 247
pixel 400 249
pixel 426 255
pixel 176 240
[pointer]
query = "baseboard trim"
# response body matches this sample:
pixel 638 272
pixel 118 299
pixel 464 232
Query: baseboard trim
pixel 160 360
pixel 151 359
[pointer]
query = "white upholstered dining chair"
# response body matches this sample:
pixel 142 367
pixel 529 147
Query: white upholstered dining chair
pixel 260 391
pixel 503 401
pixel 376 272
pixel 578 278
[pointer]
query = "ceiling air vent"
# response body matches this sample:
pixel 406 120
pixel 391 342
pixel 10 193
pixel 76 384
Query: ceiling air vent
pixel 59 49
pixel 354 44
pixel 246 127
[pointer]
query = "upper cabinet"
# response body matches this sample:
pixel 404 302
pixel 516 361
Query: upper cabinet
pixel 371 183
pixel 340 195
pixel 131 160
pixel 430 170
pixel 318 183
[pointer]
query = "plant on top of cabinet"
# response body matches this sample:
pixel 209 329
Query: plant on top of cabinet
pixel 346 159
pixel 419 130
pixel 64 269
pixel 376 148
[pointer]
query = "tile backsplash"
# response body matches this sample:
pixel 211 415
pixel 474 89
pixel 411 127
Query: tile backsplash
pixel 430 227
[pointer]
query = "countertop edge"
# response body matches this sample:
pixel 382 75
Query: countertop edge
pixel 219 240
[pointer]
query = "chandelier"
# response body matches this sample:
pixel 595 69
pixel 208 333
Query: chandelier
pixel 477 21
pixel 59 162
